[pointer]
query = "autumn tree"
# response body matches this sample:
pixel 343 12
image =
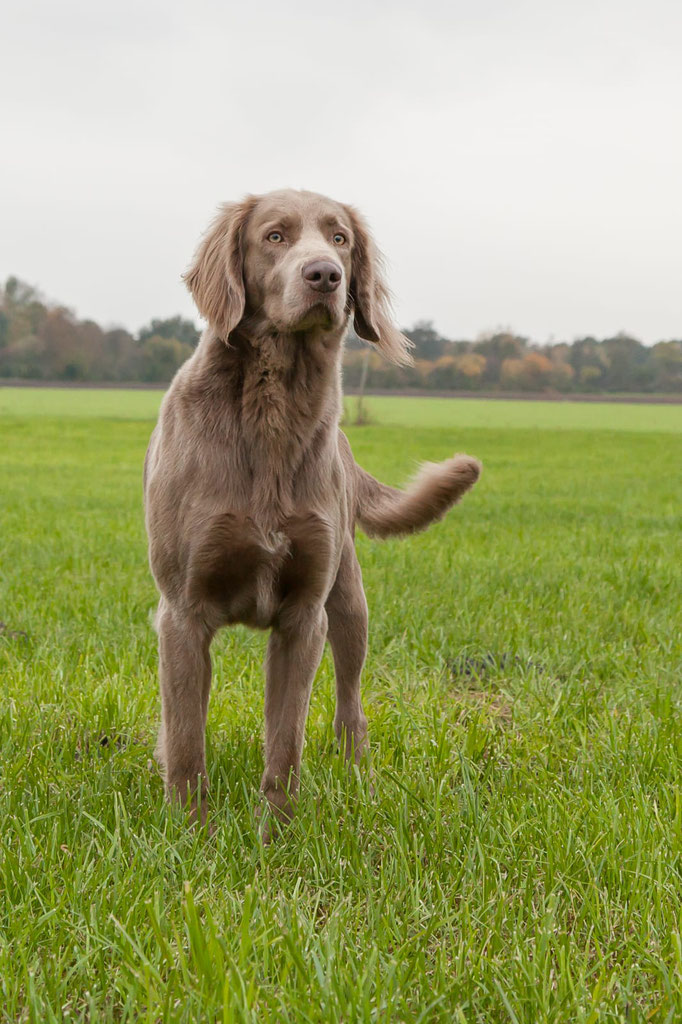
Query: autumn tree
pixel 530 372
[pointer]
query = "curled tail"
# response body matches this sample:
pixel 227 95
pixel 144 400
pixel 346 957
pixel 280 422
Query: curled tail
pixel 383 511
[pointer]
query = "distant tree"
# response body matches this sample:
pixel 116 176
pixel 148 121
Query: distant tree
pixel 428 343
pixel 173 327
pixel 442 373
pixel 562 374
pixel 589 363
pixel 4 328
pixel 24 310
pixel 501 345
pixel 66 353
pixel 119 356
pixel 160 357
pixel 457 371
pixel 496 348
pixel 590 377
pixel 470 367
pixel 18 293
pixel 24 359
pixel 530 373
pixel 627 364
pixel 666 359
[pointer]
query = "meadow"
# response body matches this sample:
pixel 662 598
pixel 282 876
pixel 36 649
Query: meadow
pixel 518 858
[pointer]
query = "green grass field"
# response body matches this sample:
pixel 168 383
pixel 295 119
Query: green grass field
pixel 115 403
pixel 521 857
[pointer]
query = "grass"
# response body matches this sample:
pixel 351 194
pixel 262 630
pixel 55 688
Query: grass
pixel 520 859
pixel 115 403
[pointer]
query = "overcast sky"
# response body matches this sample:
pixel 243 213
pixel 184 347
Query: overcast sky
pixel 520 162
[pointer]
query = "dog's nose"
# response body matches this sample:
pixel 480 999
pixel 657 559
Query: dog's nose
pixel 322 275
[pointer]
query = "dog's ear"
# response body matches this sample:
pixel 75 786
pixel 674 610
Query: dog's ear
pixel 216 276
pixel 373 318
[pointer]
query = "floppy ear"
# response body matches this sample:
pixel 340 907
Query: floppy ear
pixel 216 278
pixel 373 319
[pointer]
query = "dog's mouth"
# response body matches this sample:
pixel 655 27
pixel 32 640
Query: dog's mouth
pixel 322 312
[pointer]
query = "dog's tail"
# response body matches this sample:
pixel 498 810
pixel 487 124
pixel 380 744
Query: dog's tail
pixel 383 511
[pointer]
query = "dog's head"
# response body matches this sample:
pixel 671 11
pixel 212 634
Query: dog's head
pixel 294 261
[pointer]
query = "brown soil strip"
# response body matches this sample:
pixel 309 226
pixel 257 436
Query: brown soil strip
pixel 503 396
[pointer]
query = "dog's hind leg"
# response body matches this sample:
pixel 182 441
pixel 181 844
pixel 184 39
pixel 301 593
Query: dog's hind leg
pixel 347 614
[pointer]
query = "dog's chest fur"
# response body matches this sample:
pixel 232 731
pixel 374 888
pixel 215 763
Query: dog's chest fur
pixel 241 573
pixel 272 542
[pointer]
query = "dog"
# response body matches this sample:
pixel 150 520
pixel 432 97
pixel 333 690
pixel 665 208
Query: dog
pixel 252 494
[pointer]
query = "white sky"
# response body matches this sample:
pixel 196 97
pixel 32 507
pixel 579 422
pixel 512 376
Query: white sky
pixel 520 161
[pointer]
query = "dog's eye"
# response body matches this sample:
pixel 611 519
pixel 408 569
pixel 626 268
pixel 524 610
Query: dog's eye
pixel 275 236
pixel 339 239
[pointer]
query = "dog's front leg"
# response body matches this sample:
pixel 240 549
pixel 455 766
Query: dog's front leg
pixel 294 653
pixel 185 679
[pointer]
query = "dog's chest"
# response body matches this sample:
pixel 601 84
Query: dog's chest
pixel 240 572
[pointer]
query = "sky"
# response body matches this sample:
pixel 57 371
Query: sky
pixel 520 162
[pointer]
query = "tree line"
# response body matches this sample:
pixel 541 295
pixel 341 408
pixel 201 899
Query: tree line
pixel 504 361
pixel 44 341
pixel 40 340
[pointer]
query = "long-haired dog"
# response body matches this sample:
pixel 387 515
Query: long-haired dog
pixel 252 493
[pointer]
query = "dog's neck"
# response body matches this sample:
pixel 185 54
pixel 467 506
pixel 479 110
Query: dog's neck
pixel 290 386
pixel 279 398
